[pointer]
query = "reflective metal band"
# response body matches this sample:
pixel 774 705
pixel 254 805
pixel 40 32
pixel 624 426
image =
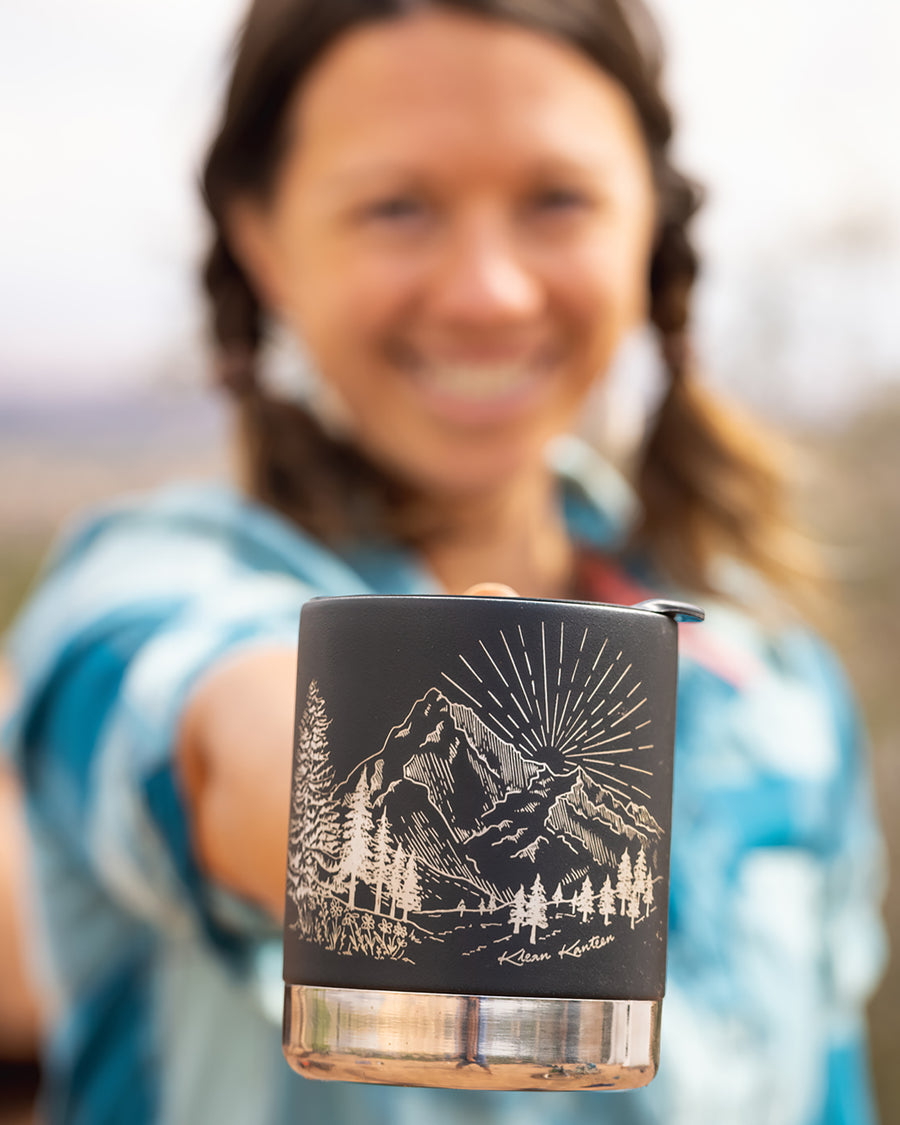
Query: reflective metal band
pixel 470 1042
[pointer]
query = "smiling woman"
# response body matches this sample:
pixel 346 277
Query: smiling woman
pixel 477 288
pixel 460 211
pixel 458 295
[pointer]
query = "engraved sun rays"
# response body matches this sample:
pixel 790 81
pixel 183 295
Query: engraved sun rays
pixel 562 702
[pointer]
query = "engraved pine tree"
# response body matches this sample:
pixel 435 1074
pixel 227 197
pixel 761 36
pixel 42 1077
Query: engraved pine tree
pixel 634 908
pixel 398 870
pixel 536 908
pixel 356 853
pixel 584 900
pixel 624 882
pixel 557 896
pixel 411 891
pixel 639 876
pixel 517 910
pixel 606 901
pixel 315 823
pixel 381 859
pixel 647 896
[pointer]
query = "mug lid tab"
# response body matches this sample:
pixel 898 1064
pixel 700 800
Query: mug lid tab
pixel 678 611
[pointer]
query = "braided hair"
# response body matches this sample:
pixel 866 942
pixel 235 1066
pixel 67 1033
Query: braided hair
pixel 709 484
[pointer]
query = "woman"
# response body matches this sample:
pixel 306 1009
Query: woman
pixel 461 211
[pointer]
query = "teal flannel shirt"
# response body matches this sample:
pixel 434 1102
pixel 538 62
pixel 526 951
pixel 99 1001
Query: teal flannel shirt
pixel 167 989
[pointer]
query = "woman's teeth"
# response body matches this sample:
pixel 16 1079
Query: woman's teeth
pixel 477 380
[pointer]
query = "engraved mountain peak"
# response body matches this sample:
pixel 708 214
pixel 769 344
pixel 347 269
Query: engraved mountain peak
pixel 464 767
pixel 462 798
pixel 589 812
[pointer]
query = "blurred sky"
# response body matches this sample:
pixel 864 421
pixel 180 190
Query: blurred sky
pixel 788 110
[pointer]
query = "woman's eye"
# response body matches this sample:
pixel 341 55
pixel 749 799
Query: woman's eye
pixel 395 209
pixel 554 200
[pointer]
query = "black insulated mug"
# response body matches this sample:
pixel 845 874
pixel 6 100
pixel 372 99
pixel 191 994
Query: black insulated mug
pixel 477 877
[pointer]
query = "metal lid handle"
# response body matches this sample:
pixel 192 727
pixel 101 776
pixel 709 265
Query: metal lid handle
pixel 678 611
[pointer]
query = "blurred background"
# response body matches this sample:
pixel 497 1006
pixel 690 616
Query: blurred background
pixel 788 112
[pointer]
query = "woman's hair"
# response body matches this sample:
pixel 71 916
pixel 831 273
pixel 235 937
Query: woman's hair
pixel 708 483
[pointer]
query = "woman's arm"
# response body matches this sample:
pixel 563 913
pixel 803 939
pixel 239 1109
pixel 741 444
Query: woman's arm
pixel 234 756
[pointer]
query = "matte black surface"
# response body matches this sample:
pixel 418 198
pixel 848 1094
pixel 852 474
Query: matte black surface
pixel 429 699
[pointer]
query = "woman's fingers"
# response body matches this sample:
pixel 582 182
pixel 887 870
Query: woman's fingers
pixel 490 590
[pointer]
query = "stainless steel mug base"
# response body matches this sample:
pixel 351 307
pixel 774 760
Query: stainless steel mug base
pixel 470 1042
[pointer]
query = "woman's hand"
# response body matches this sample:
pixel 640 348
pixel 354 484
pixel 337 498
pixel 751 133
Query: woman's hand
pixel 490 590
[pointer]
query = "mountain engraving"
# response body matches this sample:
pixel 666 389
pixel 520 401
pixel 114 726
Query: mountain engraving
pixel 501 815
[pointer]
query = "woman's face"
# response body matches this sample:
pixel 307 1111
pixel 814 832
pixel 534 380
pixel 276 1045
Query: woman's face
pixel 460 234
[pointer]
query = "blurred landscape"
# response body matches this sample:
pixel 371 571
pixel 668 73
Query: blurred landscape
pixel 58 457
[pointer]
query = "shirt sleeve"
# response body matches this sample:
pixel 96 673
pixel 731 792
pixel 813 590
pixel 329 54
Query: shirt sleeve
pixel 776 941
pixel 107 654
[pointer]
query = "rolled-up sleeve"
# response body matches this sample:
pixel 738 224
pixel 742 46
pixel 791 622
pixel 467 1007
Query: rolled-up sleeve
pixel 127 620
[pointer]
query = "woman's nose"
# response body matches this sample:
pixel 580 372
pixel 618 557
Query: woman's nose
pixel 482 279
